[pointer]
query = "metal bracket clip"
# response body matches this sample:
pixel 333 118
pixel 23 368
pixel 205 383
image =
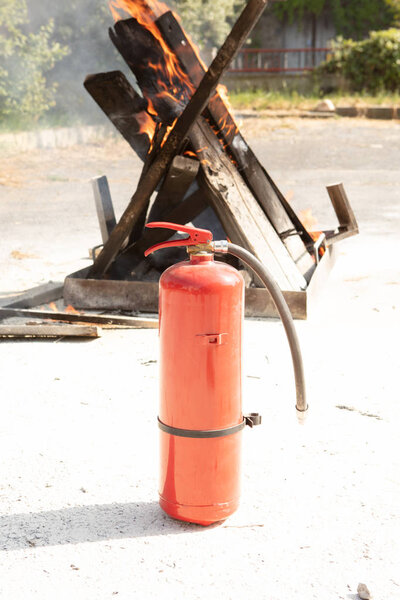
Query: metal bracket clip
pixel 253 419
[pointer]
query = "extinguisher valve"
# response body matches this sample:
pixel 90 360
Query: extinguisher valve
pixel 196 237
pixel 253 419
pixel 220 246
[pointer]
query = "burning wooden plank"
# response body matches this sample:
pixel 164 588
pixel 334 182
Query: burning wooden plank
pixel 225 190
pixel 292 233
pixel 180 129
pixel 124 107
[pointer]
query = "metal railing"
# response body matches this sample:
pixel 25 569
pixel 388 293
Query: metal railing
pixel 278 60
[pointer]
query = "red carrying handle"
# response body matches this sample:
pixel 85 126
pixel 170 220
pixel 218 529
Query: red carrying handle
pixel 196 236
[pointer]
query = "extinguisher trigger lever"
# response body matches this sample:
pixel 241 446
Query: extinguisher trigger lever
pixel 253 419
pixel 195 236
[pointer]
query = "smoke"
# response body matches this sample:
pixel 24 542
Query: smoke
pixel 82 26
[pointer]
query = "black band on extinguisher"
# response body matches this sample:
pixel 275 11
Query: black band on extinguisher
pixel 198 433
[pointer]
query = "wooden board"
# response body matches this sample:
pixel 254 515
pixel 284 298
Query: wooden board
pixel 123 106
pixel 41 294
pixel 184 212
pixel 181 174
pixel 41 330
pixel 107 321
pixel 241 216
pixel 104 206
pixel 246 222
pixel 177 135
pixel 247 163
pixel 141 50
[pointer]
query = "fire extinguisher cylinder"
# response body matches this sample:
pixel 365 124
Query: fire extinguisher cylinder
pixel 201 309
pixel 200 416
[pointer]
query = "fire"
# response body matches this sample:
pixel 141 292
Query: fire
pixel 173 81
pixel 147 124
pixel 68 309
pixel 146 10
pixel 71 310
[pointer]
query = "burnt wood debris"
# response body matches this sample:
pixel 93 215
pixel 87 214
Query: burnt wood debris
pixel 194 156
pixel 197 168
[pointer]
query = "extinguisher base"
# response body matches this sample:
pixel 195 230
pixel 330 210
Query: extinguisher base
pixel 201 515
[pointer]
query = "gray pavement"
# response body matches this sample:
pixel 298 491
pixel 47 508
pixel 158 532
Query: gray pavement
pixel 320 504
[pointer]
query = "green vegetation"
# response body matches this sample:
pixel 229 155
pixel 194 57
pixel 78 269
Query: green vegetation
pixel 26 58
pixel 352 18
pixel 262 100
pixel 372 64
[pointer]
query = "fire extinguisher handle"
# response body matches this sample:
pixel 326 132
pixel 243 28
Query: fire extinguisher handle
pixel 195 237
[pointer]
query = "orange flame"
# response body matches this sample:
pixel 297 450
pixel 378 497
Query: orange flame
pixel 190 154
pixel 53 307
pixel 173 81
pixel 71 310
pixel 146 123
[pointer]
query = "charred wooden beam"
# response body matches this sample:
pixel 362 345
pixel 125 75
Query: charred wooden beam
pixel 240 214
pixel 145 57
pixel 182 213
pixel 181 174
pixel 291 231
pixel 180 129
pixel 123 106
pixel 247 163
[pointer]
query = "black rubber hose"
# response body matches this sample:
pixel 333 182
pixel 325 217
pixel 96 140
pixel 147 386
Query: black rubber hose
pixel 284 313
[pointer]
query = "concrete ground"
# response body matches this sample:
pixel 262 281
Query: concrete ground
pixel 78 441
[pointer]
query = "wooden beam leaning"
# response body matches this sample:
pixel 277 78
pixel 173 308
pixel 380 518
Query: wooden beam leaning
pixel 123 106
pixel 241 216
pixel 181 174
pixel 104 206
pixel 248 165
pixel 119 101
pixel 196 105
pixel 182 213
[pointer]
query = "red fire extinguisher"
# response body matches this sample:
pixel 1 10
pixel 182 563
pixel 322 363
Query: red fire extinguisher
pixel 201 308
